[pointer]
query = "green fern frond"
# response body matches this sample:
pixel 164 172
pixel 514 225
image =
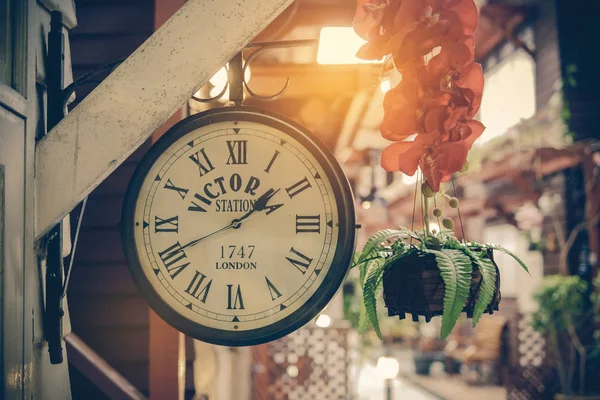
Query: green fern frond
pixel 363 320
pixel 487 288
pixel 371 247
pixel 371 254
pixel 455 268
pixel 374 279
pixel 510 253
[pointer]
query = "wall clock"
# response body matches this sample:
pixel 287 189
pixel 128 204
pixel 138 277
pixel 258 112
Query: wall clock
pixel 238 226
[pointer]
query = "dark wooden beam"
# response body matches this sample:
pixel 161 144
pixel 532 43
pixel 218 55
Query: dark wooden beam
pixel 306 13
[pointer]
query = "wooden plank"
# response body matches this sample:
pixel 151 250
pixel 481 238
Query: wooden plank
pixel 139 96
pixel 86 3
pixel 117 182
pixel 132 344
pixel 309 13
pixel 96 369
pixel 95 50
pixel 108 311
pixel 92 248
pixel 113 19
pixel 101 280
pixel 164 360
pixel 102 212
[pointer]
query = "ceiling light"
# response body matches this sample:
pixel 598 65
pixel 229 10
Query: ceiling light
pixel 338 45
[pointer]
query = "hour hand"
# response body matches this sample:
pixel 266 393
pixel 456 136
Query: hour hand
pixel 261 203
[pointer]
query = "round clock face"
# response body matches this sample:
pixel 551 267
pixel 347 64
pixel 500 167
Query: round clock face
pixel 238 226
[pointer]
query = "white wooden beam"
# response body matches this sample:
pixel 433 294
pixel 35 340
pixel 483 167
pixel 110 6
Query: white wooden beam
pixel 141 94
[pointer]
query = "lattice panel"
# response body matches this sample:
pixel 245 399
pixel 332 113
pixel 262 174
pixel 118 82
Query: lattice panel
pixel 311 363
pixel 531 344
pixel 532 378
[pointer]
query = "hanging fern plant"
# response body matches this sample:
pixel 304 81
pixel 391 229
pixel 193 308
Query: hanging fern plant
pixel 429 274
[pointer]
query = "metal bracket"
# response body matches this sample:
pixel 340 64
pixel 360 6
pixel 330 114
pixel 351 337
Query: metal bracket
pixel 236 72
pixel 56 288
pixel 53 311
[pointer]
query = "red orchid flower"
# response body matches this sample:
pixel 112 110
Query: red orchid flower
pixel 441 161
pixel 405 156
pixel 401 17
pixel 471 80
pixel 436 101
pixel 461 14
pixel 401 105
pixel 445 69
pixel 440 21
pixel 368 17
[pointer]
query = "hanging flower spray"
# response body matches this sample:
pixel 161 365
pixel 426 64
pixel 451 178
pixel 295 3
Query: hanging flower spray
pixel 439 94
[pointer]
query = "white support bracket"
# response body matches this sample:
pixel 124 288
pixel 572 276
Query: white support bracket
pixel 138 97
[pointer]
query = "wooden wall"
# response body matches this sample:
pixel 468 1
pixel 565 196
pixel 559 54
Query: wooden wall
pixel 578 33
pixel 106 310
pixel 547 59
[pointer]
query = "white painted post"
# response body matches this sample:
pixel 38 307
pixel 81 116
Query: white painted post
pixel 141 94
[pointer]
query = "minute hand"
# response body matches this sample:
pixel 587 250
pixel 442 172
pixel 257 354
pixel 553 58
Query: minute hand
pixel 207 236
pixel 259 205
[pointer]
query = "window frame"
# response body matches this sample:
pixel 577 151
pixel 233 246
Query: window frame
pixel 16 47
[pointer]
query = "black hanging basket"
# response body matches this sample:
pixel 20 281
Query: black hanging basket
pixel 413 285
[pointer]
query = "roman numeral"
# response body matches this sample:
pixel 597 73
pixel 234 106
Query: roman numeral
pixel 166 225
pixel 174 270
pixel 301 264
pixel 275 294
pixel 298 188
pixel 196 289
pixel 238 302
pixel 272 208
pixel 172 255
pixel 268 169
pixel 197 207
pixel 308 223
pixel 237 151
pixel 202 161
pixel 181 191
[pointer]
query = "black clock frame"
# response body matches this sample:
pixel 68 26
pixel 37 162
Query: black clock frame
pixel 343 253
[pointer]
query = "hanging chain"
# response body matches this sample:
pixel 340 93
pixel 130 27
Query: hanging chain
pixel 438 218
pixel 412 224
pixel 462 229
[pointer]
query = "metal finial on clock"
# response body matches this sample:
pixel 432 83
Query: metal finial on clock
pixel 236 73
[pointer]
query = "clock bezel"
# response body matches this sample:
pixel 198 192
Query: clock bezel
pixel 342 256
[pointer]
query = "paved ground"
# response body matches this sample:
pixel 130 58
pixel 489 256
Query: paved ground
pixel 452 388
pixel 409 386
pixel 371 387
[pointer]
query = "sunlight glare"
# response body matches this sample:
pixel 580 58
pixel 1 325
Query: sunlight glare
pixel 338 45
